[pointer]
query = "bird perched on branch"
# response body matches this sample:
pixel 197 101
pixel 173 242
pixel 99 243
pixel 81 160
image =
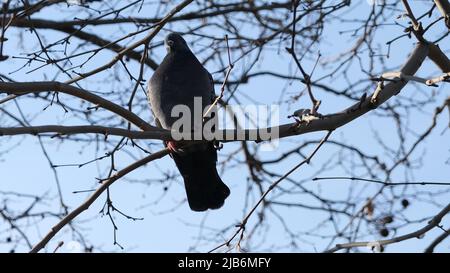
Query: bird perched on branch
pixel 178 79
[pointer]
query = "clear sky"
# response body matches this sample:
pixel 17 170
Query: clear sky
pixel 171 227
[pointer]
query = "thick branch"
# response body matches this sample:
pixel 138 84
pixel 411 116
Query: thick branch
pixel 439 58
pixel 42 23
pixel 36 87
pixel 325 123
pixel 87 129
pixel 444 8
pixel 333 121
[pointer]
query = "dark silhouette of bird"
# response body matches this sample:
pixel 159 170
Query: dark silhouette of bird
pixel 178 79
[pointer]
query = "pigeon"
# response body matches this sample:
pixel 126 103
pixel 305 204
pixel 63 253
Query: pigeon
pixel 177 80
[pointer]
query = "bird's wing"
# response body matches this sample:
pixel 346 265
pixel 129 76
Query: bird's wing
pixel 149 98
pixel 211 81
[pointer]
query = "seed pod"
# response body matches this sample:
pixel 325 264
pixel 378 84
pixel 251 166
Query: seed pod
pixel 384 232
pixel 405 203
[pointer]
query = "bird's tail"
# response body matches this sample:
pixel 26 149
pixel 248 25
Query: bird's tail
pixel 204 188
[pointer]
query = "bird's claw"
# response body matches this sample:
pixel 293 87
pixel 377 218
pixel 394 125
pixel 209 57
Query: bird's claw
pixel 172 146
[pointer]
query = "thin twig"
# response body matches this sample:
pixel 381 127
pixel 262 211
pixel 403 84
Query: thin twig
pixel 105 184
pixel 227 75
pixel 241 226
pixel 417 234
pixel 423 183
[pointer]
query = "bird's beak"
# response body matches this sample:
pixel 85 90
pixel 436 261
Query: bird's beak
pixel 169 44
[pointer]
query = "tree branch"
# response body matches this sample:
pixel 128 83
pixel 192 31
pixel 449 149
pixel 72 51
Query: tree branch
pixel 444 8
pixel 21 88
pixel 437 241
pixel 88 129
pixel 325 123
pixel 104 185
pixel 136 44
pixel 439 58
pixel 417 234
pixel 242 225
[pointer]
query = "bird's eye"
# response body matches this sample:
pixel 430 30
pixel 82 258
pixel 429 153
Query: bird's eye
pixel 170 42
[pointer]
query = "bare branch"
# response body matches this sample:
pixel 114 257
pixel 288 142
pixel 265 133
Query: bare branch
pixel 104 185
pixel 36 87
pixel 416 234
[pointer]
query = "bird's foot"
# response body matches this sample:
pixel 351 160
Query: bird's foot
pixel 173 147
pixel 217 145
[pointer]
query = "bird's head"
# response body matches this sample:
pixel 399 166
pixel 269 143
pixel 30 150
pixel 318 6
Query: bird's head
pixel 174 42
